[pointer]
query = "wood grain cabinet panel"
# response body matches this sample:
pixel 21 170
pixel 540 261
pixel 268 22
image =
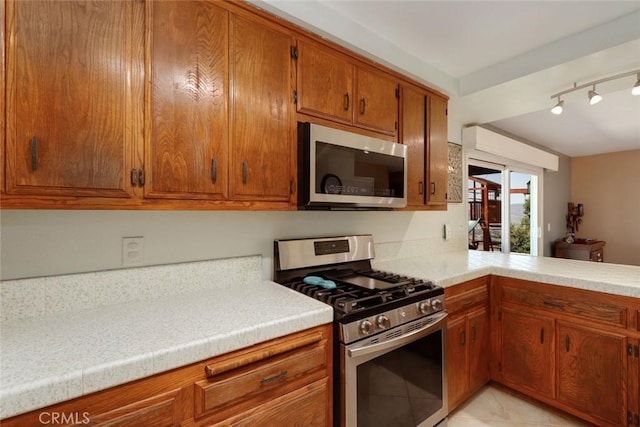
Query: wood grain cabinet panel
pixel 2 99
pixel 187 151
pixel 74 94
pixel 377 101
pixel 591 371
pixel 262 113
pixel 527 353
pixel 437 152
pixel 325 83
pixel 468 339
pixel 423 128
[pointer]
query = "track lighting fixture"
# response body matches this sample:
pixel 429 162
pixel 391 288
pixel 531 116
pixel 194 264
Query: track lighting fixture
pixel 635 90
pixel 557 109
pixel 594 97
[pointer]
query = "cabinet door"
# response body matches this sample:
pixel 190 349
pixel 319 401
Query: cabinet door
pixel 479 352
pixel 633 369
pixel 457 360
pixel 412 134
pixel 262 114
pixel 437 155
pixel 592 372
pixel 74 96
pixel 527 354
pixel 187 151
pixel 2 98
pixel 377 101
pixel 325 83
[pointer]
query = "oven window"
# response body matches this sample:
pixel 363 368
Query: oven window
pixel 402 387
pixel 347 171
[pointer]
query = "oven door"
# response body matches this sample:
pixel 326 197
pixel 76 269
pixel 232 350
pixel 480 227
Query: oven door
pixel 396 378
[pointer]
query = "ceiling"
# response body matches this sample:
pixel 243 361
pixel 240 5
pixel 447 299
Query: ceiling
pixel 500 61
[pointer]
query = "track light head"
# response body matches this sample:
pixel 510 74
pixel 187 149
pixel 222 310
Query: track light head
pixel 636 87
pixel 594 98
pixel 557 109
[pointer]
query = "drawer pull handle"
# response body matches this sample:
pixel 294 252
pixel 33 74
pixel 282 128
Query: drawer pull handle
pixel 34 153
pixel 265 353
pixel 554 304
pixel 267 380
pixel 467 303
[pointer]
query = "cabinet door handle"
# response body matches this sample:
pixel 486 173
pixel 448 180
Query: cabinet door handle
pixel 566 342
pixel 462 338
pixel 34 153
pixel 292 186
pixel 541 335
pixel 141 177
pixel 420 187
pixel 347 101
pixel 267 380
pixel 214 170
pixel 363 105
pixel 245 172
pixel 433 188
pixel 134 177
pixel 473 333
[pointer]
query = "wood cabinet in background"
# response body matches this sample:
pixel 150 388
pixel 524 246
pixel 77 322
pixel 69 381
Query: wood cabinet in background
pixel 423 129
pixel 74 100
pixel 2 98
pixel 592 251
pixel 262 116
pixel 282 382
pixel 187 151
pixel 338 88
pixel 468 339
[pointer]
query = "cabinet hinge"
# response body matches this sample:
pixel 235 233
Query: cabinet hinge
pixel 294 52
pixel 633 350
pixel 633 419
pixel 295 96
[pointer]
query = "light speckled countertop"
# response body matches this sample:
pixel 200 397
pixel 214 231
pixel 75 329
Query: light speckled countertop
pixel 61 355
pixel 57 357
pixel 456 267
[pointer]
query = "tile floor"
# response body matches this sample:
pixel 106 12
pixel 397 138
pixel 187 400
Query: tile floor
pixel 494 407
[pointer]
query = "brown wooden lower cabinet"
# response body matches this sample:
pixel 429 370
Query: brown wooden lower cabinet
pixel 574 349
pixel 282 382
pixel 467 339
pixel 526 359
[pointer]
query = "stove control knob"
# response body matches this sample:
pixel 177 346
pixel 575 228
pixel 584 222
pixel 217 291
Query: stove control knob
pixel 383 322
pixel 424 307
pixel 436 304
pixel 366 327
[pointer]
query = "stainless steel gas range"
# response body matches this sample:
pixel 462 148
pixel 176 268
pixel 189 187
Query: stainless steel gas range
pixel 389 354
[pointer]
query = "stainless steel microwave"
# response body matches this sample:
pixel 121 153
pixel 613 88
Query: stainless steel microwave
pixel 345 170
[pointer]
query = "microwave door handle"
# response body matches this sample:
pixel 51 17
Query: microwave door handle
pixel 396 342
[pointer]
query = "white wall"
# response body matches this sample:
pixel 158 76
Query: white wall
pixel 41 243
pixel 557 193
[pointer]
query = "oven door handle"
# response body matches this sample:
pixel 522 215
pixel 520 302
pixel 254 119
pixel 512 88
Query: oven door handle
pixel 396 342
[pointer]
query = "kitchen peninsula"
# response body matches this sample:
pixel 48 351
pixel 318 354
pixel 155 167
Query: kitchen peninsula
pixel 119 343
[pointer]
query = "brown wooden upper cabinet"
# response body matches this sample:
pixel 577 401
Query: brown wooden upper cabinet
pixel 73 97
pixel 187 151
pixel 423 130
pixel 262 128
pixel 338 88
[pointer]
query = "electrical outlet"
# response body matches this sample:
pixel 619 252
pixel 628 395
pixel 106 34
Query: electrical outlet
pixel 132 251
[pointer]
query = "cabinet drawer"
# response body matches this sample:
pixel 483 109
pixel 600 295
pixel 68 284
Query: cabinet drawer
pixel 303 407
pixel 467 300
pixel 261 381
pixel 575 302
